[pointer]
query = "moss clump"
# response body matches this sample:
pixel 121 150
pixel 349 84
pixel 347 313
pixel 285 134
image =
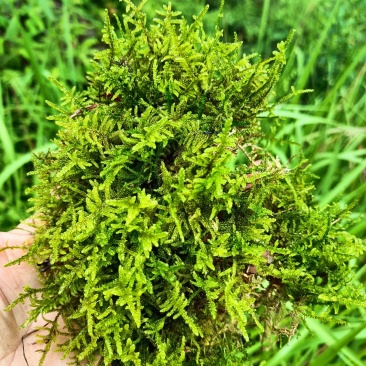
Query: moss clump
pixel 163 250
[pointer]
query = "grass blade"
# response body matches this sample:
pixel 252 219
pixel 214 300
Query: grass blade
pixel 316 51
pixel 342 185
pixel 5 139
pixel 288 350
pixel 338 346
pixel 11 168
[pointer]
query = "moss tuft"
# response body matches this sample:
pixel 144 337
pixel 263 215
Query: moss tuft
pixel 164 247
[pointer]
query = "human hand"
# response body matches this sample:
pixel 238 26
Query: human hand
pixel 19 347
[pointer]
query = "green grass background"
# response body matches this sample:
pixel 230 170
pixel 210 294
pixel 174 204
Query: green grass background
pixel 43 38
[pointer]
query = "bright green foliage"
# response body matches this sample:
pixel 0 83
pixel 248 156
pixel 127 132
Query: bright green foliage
pixel 164 251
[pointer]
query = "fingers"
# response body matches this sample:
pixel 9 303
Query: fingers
pixel 17 240
pixel 21 236
pixel 13 244
pixel 12 281
pixel 31 347
pixel 9 324
pixel 28 226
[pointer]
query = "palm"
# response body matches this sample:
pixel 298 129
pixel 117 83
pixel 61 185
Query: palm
pixel 12 281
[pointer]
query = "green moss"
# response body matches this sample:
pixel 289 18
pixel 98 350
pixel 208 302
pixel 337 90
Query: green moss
pixel 164 248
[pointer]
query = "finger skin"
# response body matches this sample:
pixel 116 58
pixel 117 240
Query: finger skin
pixel 12 281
